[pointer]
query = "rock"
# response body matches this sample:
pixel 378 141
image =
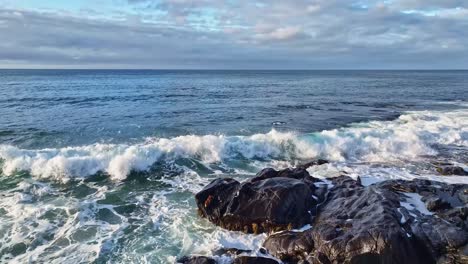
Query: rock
pixel 445 235
pixel 254 260
pixel 351 223
pixel 437 204
pixel 213 200
pixel 264 174
pixel 361 225
pixel 441 238
pixel 452 170
pixel 299 173
pixel 293 173
pixel 290 246
pixel 358 224
pixel 230 251
pixel 196 260
pixel 266 205
pixel 447 201
pixel 313 163
pixel 457 216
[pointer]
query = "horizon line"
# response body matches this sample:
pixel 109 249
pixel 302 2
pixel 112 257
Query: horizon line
pixel 253 69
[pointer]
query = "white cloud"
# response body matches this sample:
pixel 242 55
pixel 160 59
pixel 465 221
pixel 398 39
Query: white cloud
pixel 242 34
pixel 285 33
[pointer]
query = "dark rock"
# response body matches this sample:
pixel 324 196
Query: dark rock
pixel 213 200
pixel 440 237
pixel 447 201
pixel 293 173
pixel 230 251
pixel 254 260
pixel 361 225
pixel 300 172
pixel 352 224
pixel 457 216
pixel 253 207
pixel 271 201
pixel 313 163
pixel 452 170
pixel 290 246
pixel 318 258
pixel 437 204
pixel 355 225
pixel 358 224
pixel 196 260
pixel 266 173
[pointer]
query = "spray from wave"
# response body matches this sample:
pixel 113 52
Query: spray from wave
pixel 410 136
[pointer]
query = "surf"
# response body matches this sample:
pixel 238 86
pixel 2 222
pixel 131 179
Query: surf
pixel 409 137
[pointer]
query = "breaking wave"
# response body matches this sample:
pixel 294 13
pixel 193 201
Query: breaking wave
pixel 410 136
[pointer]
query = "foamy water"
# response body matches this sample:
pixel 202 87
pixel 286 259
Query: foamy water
pixel 141 209
pixel 410 136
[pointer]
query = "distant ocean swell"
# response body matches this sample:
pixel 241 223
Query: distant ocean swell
pixel 410 136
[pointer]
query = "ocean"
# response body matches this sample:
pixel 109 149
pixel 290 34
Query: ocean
pixel 102 165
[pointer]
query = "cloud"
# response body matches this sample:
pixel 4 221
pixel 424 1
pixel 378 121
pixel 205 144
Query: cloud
pixel 240 34
pixel 282 33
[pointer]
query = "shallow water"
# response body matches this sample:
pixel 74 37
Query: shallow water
pixel 102 165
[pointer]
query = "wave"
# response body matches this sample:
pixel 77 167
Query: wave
pixel 410 136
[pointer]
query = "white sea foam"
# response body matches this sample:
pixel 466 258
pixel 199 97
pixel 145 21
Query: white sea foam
pixel 408 137
pixel 413 202
pixel 52 228
pixel 176 223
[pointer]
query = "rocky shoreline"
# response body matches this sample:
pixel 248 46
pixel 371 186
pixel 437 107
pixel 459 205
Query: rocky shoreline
pixel 393 221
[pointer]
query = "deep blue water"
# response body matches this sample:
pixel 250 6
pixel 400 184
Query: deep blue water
pixel 44 108
pixel 101 166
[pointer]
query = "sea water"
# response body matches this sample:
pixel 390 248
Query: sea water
pixel 102 165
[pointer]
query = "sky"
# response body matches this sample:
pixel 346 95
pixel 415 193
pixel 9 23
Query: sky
pixel 242 34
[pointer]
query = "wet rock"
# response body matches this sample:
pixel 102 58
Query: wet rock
pixel 380 223
pixel 300 172
pixel 266 205
pixel 231 251
pixel 271 201
pixel 213 200
pixel 254 260
pixel 440 237
pixel 293 173
pixel 447 201
pixel 290 246
pixel 264 174
pixel 313 163
pixel 452 170
pixel 196 260
pixel 358 224
pixel 445 235
pixel 457 216
pixel 361 225
pixel 437 204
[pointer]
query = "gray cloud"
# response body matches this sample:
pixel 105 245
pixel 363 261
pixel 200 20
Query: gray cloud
pixel 242 34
